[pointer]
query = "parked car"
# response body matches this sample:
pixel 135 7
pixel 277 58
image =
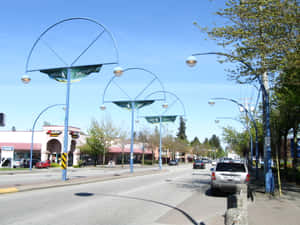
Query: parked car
pixel 173 163
pixel 43 164
pixel 198 164
pixel 227 176
pixel 213 162
pixel 205 160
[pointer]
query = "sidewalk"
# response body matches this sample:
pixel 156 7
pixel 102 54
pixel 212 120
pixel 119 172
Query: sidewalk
pixel 273 209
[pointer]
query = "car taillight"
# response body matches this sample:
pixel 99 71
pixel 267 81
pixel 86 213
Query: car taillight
pixel 213 176
pixel 248 177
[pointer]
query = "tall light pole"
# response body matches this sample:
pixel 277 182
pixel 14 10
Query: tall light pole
pixel 69 72
pixel 132 103
pixel 269 178
pixel 163 118
pixel 212 102
pixel 33 127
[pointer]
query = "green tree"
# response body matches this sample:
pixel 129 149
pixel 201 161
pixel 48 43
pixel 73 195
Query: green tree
pixel 153 142
pixel 123 140
pixel 181 130
pixel 110 132
pixel 196 146
pixel 143 137
pixel 262 33
pixel 95 142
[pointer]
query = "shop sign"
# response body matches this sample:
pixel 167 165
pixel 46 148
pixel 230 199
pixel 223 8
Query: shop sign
pixel 7 148
pixel 74 134
pixel 54 133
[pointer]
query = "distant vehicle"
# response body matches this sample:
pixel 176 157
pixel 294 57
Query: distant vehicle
pixel 173 163
pixel 226 160
pixel 227 176
pixel 213 162
pixel 205 160
pixel 43 164
pixel 198 164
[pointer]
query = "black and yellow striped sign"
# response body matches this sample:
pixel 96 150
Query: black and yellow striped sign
pixel 63 161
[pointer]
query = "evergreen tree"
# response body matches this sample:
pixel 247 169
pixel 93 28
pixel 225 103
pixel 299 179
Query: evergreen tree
pixel 181 130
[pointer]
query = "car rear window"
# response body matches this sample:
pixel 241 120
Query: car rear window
pixel 232 167
pixel 198 161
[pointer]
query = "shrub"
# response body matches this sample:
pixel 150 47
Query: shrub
pixel 54 165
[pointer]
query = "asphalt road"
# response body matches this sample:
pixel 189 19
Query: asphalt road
pixel 179 196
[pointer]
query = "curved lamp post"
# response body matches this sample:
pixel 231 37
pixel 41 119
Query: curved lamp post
pixel 212 102
pixel 69 72
pixel 33 127
pixel 247 128
pixel 161 118
pixel 132 103
pixel 269 178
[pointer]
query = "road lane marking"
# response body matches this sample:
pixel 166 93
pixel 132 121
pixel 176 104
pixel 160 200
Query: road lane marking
pixel 8 190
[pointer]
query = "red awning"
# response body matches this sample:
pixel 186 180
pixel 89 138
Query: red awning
pixel 22 146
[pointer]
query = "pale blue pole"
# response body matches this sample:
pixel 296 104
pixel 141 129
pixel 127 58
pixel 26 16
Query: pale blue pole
pixel 269 178
pixel 132 136
pixel 32 131
pixel 160 161
pixel 66 135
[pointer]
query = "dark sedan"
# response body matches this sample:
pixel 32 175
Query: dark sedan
pixel 173 163
pixel 199 164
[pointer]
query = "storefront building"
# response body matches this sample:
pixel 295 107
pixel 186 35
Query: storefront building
pixel 48 145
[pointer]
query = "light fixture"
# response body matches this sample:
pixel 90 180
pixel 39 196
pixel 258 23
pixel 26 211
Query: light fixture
pixel 102 107
pixel 191 61
pixel 165 105
pixel 118 71
pixel 211 102
pixel 26 79
pixel 217 121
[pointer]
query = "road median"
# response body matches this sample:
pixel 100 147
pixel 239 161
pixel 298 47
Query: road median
pixel 76 181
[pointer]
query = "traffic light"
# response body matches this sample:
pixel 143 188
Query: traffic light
pixel 2 120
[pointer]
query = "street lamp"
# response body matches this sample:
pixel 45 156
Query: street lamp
pixel 131 103
pixel 162 117
pixel 255 126
pixel 33 127
pixel 69 72
pixel 269 178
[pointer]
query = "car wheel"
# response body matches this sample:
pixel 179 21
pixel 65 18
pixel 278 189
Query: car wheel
pixel 213 191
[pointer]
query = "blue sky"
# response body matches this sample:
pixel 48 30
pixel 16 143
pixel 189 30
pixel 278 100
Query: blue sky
pixel 155 35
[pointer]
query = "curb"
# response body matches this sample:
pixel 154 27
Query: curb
pixel 76 182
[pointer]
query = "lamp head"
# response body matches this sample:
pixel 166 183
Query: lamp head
pixel 252 108
pixel 211 102
pixel 26 79
pixel 217 121
pixel 191 61
pixel 102 107
pixel 165 105
pixel 242 109
pixel 118 71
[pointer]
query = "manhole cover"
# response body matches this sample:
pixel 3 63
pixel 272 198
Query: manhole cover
pixel 84 194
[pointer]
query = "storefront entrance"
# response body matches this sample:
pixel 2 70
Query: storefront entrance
pixel 54 151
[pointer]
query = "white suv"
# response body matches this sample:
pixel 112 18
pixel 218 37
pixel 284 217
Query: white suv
pixel 227 176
